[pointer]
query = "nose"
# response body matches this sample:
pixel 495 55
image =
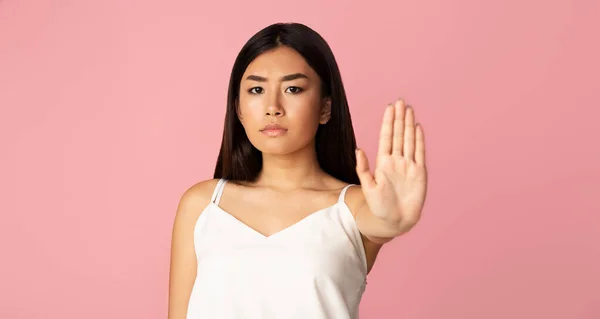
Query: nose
pixel 274 107
pixel 274 111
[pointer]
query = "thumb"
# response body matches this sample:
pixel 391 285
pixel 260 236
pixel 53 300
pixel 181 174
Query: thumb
pixel 362 170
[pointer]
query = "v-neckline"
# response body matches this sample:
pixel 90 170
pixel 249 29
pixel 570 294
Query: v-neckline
pixel 284 230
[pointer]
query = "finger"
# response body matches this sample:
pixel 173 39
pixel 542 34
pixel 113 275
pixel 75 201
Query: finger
pixel 420 145
pixel 362 170
pixel 399 110
pixel 409 134
pixel 385 136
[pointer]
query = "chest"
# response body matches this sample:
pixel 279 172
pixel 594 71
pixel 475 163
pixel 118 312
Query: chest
pixel 323 246
pixel 318 247
pixel 271 217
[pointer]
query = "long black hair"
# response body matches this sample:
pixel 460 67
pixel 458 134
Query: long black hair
pixel 335 142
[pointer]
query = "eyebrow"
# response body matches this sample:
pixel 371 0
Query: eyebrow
pixel 289 77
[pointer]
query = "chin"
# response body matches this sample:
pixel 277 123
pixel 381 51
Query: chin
pixel 283 145
pixel 282 149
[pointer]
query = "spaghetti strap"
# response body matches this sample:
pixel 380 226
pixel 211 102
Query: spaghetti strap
pixel 343 193
pixel 216 196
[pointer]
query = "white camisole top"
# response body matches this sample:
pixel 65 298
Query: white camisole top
pixel 315 268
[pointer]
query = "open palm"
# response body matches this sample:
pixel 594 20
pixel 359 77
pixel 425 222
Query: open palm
pixel 395 191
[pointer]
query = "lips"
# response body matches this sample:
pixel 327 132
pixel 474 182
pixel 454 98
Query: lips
pixel 274 127
pixel 274 130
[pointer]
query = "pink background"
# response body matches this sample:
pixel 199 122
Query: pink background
pixel 111 109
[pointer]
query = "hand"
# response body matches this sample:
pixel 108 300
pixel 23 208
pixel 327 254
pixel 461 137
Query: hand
pixel 395 193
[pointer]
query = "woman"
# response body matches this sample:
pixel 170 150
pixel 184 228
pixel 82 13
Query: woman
pixel 293 220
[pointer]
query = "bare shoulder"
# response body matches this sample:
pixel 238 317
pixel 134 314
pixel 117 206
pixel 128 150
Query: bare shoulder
pixel 183 258
pixel 195 199
pixel 191 204
pixel 355 199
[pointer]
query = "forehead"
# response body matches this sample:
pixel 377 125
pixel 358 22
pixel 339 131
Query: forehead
pixel 278 62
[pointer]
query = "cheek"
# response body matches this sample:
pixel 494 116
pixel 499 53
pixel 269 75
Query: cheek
pixel 305 118
pixel 250 111
pixel 305 114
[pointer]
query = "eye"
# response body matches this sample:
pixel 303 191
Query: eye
pixel 294 89
pixel 255 90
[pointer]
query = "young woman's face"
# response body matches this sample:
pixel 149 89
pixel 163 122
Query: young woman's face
pixel 280 88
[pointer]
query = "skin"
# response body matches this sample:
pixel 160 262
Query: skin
pixel 280 87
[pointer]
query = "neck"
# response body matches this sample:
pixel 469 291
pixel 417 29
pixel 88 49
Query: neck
pixel 291 171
